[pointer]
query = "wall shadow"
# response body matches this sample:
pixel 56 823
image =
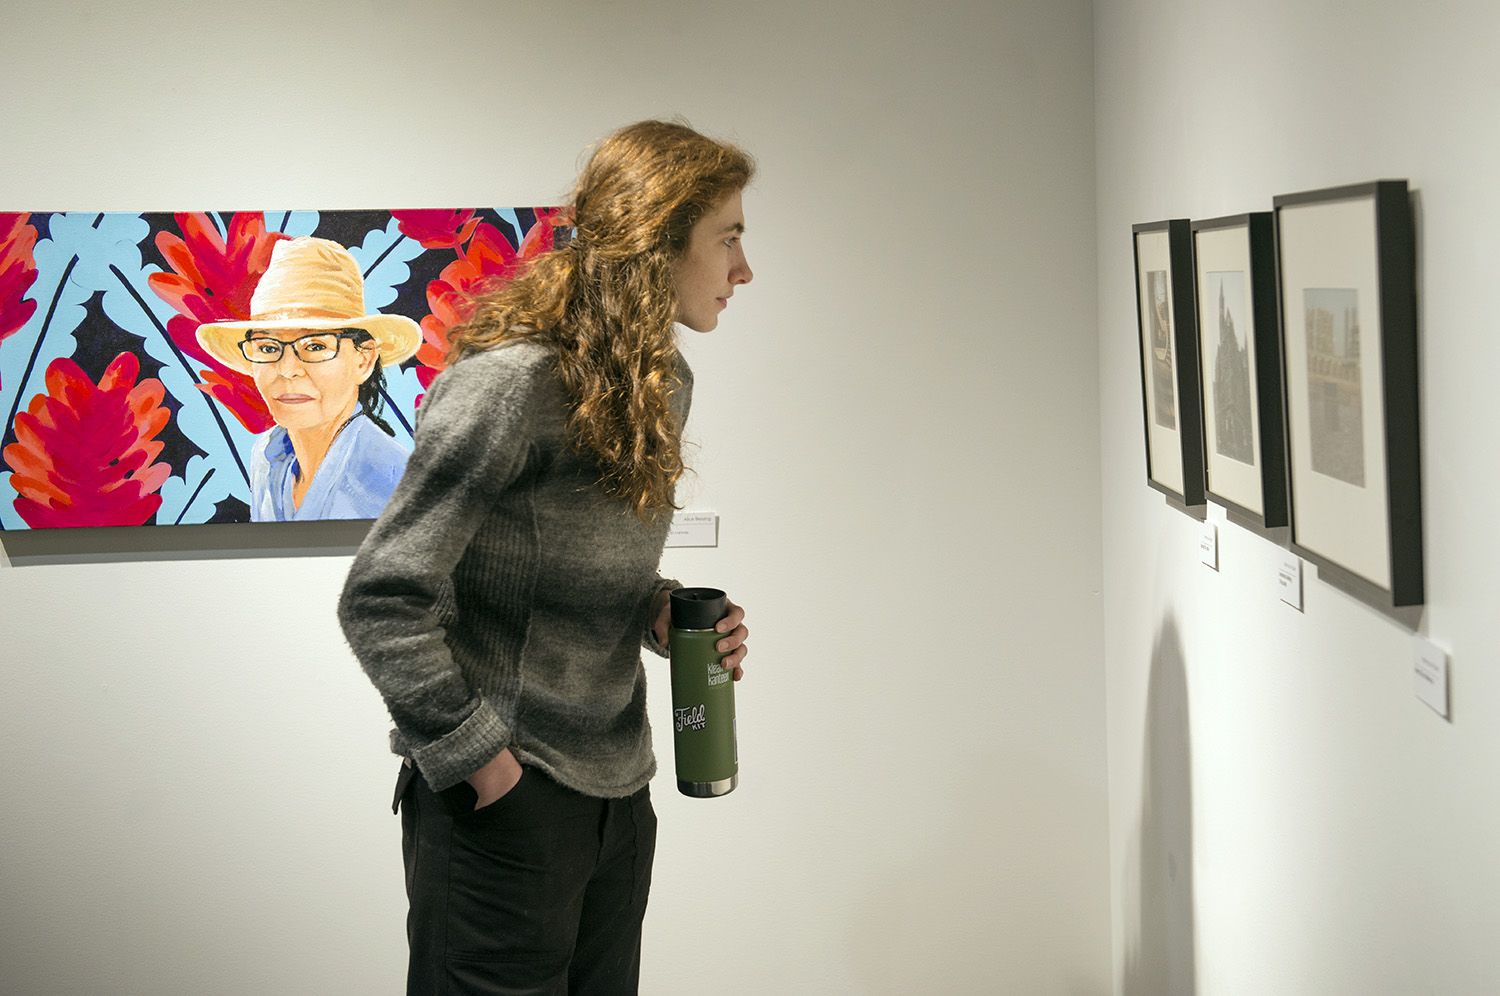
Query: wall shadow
pixel 1161 957
pixel 202 541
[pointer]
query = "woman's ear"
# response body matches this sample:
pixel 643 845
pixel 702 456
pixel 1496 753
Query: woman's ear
pixel 368 354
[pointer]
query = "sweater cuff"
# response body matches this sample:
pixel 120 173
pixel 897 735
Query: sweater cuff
pixel 457 755
pixel 648 640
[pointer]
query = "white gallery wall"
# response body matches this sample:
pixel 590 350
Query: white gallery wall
pixel 899 427
pixel 1286 817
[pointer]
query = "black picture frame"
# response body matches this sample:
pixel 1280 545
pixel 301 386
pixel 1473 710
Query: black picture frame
pixel 1239 343
pixel 1170 391
pixel 1346 273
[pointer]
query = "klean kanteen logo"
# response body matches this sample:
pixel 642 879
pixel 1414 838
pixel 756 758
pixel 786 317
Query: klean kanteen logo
pixel 691 718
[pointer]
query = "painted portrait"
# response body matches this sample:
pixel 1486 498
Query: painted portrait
pixel 174 369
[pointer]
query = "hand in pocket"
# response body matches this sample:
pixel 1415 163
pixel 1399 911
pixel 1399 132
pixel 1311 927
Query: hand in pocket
pixel 492 782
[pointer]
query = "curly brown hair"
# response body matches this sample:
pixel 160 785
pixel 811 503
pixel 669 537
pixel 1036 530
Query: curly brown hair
pixel 607 301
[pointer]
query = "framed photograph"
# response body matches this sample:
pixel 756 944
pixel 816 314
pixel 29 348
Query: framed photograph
pixel 1346 259
pixel 1169 360
pixel 1234 267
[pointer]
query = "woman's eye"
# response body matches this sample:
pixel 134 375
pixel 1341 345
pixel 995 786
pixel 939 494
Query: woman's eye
pixel 267 348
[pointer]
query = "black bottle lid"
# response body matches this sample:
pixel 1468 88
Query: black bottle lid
pixel 698 608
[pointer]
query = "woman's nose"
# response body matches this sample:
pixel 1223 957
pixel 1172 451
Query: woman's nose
pixel 742 274
pixel 290 363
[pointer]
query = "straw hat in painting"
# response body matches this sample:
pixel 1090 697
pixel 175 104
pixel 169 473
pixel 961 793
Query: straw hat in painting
pixel 311 284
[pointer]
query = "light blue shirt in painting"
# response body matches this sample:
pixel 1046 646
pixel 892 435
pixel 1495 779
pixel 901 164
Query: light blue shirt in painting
pixel 354 481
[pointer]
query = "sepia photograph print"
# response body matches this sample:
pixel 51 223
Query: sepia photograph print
pixel 1230 360
pixel 1347 265
pixel 1234 266
pixel 1161 349
pixel 1334 408
pixel 1171 380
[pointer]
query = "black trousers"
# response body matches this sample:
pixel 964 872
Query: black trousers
pixel 539 894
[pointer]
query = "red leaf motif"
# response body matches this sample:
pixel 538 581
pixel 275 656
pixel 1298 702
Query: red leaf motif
pixel 17 272
pixel 437 229
pixel 239 394
pixel 213 280
pixel 232 389
pixel 84 453
pixel 490 261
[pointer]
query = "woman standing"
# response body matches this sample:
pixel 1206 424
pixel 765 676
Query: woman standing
pixel 501 601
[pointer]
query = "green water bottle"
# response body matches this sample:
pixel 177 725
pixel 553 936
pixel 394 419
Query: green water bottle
pixel 708 762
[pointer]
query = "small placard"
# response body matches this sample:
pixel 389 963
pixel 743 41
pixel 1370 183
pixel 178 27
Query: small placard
pixel 1289 581
pixel 1430 674
pixel 694 529
pixel 1208 545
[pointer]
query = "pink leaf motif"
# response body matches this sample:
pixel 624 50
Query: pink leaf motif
pixel 84 453
pixel 213 280
pixel 17 272
pixel 489 262
pixel 437 229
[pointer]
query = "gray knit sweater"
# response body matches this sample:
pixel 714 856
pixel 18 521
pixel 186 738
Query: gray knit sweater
pixel 501 600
